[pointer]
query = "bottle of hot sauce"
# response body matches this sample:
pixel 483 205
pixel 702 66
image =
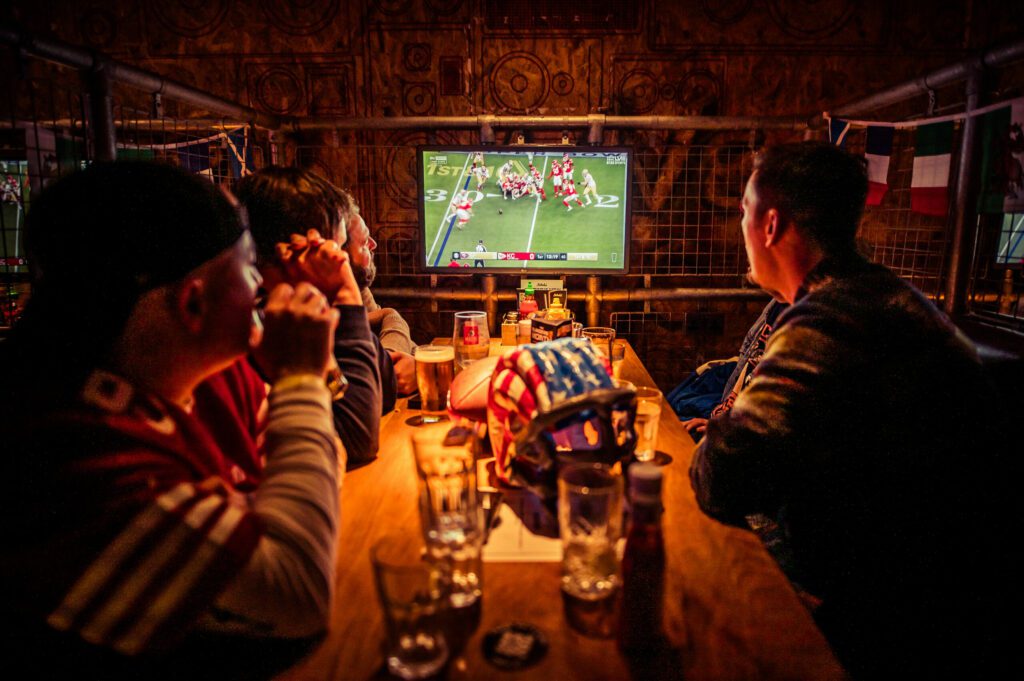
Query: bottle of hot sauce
pixel 528 305
pixel 643 565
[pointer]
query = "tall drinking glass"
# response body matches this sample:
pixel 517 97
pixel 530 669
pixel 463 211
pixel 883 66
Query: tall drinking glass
pixel 590 522
pixel 618 357
pixel 435 366
pixel 452 516
pixel 648 414
pixel 414 596
pixel 471 338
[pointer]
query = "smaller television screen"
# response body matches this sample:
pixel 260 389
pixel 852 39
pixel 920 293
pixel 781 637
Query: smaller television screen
pixel 524 209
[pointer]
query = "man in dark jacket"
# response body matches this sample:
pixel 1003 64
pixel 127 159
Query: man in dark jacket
pixel 844 435
pixel 289 205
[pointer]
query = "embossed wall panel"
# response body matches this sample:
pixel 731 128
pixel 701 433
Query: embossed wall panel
pixel 251 27
pixel 667 86
pixel 114 27
pixel 755 25
pixel 558 17
pixel 302 88
pixel 419 11
pixel 406 76
pixel 530 77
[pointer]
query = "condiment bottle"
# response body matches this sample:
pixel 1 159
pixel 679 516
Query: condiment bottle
pixel 643 564
pixel 555 310
pixel 528 305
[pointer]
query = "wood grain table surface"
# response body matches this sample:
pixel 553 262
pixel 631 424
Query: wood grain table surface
pixel 730 613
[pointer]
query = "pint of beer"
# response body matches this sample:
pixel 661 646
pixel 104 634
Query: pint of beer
pixel 435 365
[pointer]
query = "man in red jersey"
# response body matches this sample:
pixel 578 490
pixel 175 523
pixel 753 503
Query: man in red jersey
pixel 124 536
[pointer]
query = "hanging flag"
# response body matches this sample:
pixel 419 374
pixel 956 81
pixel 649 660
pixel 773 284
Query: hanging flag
pixel 837 129
pixel 1002 161
pixel 195 158
pixel 240 153
pixel 877 150
pixel 929 185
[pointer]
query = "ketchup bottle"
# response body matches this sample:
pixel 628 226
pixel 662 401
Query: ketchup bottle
pixel 643 565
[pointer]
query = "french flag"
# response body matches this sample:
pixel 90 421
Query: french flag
pixel 877 150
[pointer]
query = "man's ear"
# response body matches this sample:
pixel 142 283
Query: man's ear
pixel 190 304
pixel 772 227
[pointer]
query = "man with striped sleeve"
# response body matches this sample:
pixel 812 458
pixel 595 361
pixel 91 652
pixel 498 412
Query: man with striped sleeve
pixel 124 538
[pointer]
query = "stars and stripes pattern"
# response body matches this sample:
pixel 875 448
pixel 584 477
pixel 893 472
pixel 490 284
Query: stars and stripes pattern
pixel 531 380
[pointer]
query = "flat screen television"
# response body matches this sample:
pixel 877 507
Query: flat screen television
pixel 501 210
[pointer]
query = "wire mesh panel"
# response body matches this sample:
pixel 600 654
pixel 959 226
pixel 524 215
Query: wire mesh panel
pixel 660 341
pixel 43 135
pixel 685 209
pixel 997 281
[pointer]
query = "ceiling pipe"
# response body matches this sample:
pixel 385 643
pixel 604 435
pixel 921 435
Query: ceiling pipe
pixel 147 81
pixel 946 75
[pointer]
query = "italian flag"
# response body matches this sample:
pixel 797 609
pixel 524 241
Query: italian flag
pixel 929 185
pixel 1002 163
pixel 878 149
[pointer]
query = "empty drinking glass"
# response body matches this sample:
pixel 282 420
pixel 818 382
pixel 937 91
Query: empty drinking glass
pixel 451 514
pixel 590 522
pixel 648 414
pixel 601 337
pixel 414 596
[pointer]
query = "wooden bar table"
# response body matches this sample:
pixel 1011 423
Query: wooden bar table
pixel 730 613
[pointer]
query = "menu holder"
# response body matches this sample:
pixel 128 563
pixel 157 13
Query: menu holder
pixel 520 528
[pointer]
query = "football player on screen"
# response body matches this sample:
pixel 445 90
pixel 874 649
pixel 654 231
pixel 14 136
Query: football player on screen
pixel 567 167
pixel 538 182
pixel 482 173
pixel 571 195
pixel 463 208
pixel 589 186
pixel 556 177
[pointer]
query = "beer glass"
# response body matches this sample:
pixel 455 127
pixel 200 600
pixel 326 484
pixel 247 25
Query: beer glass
pixel 414 596
pixel 471 338
pixel 435 365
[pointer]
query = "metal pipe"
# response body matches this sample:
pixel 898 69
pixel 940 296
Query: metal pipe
pixel 68 55
pixel 142 124
pixel 594 122
pixel 593 292
pixel 488 289
pixel 956 280
pixel 683 294
pixel 946 75
pixel 101 112
pixel 595 134
pixel 593 298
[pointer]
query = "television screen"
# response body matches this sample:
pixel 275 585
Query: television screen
pixel 555 209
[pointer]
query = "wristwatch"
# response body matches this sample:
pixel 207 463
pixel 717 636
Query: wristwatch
pixel 336 382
